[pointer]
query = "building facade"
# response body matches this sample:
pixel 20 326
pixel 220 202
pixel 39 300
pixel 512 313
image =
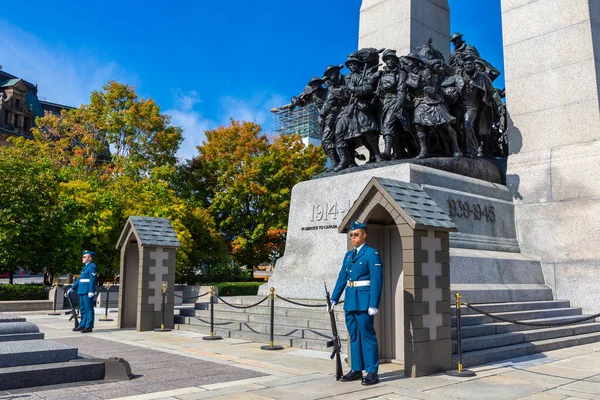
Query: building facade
pixel 20 106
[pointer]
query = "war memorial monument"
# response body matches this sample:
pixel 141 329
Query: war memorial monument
pixel 461 192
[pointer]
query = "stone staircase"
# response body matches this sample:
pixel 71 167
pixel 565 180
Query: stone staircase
pixel 483 339
pixel 486 340
pixel 295 326
pixel 27 360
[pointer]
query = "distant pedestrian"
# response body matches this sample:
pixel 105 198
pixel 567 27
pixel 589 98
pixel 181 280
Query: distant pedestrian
pixel 361 276
pixel 86 288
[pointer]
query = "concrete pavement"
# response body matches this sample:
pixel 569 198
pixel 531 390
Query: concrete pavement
pixel 180 365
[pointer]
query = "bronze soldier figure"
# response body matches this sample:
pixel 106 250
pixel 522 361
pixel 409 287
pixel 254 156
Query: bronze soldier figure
pixel 393 118
pixel 337 98
pixel 462 50
pixel 476 91
pixel 430 109
pixel 362 125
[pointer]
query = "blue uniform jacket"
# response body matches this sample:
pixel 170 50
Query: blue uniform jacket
pixel 365 266
pixel 86 283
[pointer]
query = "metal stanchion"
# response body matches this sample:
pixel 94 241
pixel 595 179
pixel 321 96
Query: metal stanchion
pixel 459 371
pixel 162 311
pixel 55 297
pixel 212 317
pixel 271 346
pixel 106 308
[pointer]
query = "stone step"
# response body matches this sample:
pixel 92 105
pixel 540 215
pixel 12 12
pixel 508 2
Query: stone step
pixel 9 328
pixel 513 306
pixel 248 300
pixel 27 376
pixel 303 320
pixel 304 343
pixel 477 319
pixel 505 327
pixel 297 331
pixel 281 310
pixel 31 352
pixel 26 305
pixel 480 357
pixel 511 338
pixel 21 336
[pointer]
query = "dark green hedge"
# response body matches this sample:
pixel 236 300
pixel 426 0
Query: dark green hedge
pixel 22 292
pixel 237 288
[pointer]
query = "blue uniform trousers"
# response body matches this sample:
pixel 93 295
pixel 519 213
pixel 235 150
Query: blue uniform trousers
pixel 86 307
pixel 364 352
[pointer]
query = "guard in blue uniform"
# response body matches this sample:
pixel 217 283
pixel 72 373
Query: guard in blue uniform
pixel 361 276
pixel 86 288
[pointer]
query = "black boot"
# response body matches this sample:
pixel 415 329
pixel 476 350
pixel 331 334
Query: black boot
pixel 387 153
pixel 423 145
pixel 396 146
pixel 344 159
pixel 334 158
pixel 370 379
pixel 352 376
pixel 373 140
pixel 454 144
pixel 484 146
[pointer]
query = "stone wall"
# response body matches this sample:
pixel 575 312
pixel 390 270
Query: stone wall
pixel 551 54
pixel 403 25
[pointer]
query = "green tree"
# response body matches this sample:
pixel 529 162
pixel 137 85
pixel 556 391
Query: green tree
pixel 28 194
pixel 247 180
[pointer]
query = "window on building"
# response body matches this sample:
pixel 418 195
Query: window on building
pixel 27 124
pixel 16 120
pixel 18 104
pixel 5 117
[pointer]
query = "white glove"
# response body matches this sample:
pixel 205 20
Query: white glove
pixel 372 311
pixel 68 292
pixel 90 295
pixel 331 305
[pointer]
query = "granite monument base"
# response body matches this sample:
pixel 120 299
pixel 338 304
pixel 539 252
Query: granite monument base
pixel 485 261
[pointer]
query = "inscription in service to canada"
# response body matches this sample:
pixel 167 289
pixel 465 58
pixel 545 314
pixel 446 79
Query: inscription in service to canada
pixel 463 209
pixel 329 213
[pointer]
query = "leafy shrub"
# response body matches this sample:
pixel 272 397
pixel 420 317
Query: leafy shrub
pixel 237 288
pixel 22 292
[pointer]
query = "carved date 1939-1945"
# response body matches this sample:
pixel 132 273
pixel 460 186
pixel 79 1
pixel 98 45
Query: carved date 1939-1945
pixel 462 209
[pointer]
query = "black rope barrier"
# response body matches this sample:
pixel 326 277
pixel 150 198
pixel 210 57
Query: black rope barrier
pixel 459 371
pixel 212 335
pixel 539 324
pixel 300 304
pixel 243 307
pixel 214 323
pixel 187 297
pixel 271 345
pixel 252 329
pixel 162 311
pixel 106 305
pixel 319 334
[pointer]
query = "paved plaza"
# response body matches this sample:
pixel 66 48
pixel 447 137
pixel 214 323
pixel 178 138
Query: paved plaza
pixel 180 365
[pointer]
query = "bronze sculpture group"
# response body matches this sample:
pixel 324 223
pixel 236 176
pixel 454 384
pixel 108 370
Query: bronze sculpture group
pixel 420 104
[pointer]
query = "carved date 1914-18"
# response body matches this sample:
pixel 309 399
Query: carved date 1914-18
pixel 462 209
pixel 328 211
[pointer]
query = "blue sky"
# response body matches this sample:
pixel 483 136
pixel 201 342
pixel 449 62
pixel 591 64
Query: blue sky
pixel 202 61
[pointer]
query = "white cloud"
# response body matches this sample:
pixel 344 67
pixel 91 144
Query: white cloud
pixel 194 124
pixel 65 76
pixel 256 109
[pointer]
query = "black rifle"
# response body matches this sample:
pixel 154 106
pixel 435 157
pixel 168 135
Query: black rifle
pixel 73 312
pixel 335 342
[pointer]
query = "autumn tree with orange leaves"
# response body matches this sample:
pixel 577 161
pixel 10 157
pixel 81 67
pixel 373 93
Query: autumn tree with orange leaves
pixel 245 179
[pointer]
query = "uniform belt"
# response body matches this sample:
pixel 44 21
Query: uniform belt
pixel 359 283
pixel 83 280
